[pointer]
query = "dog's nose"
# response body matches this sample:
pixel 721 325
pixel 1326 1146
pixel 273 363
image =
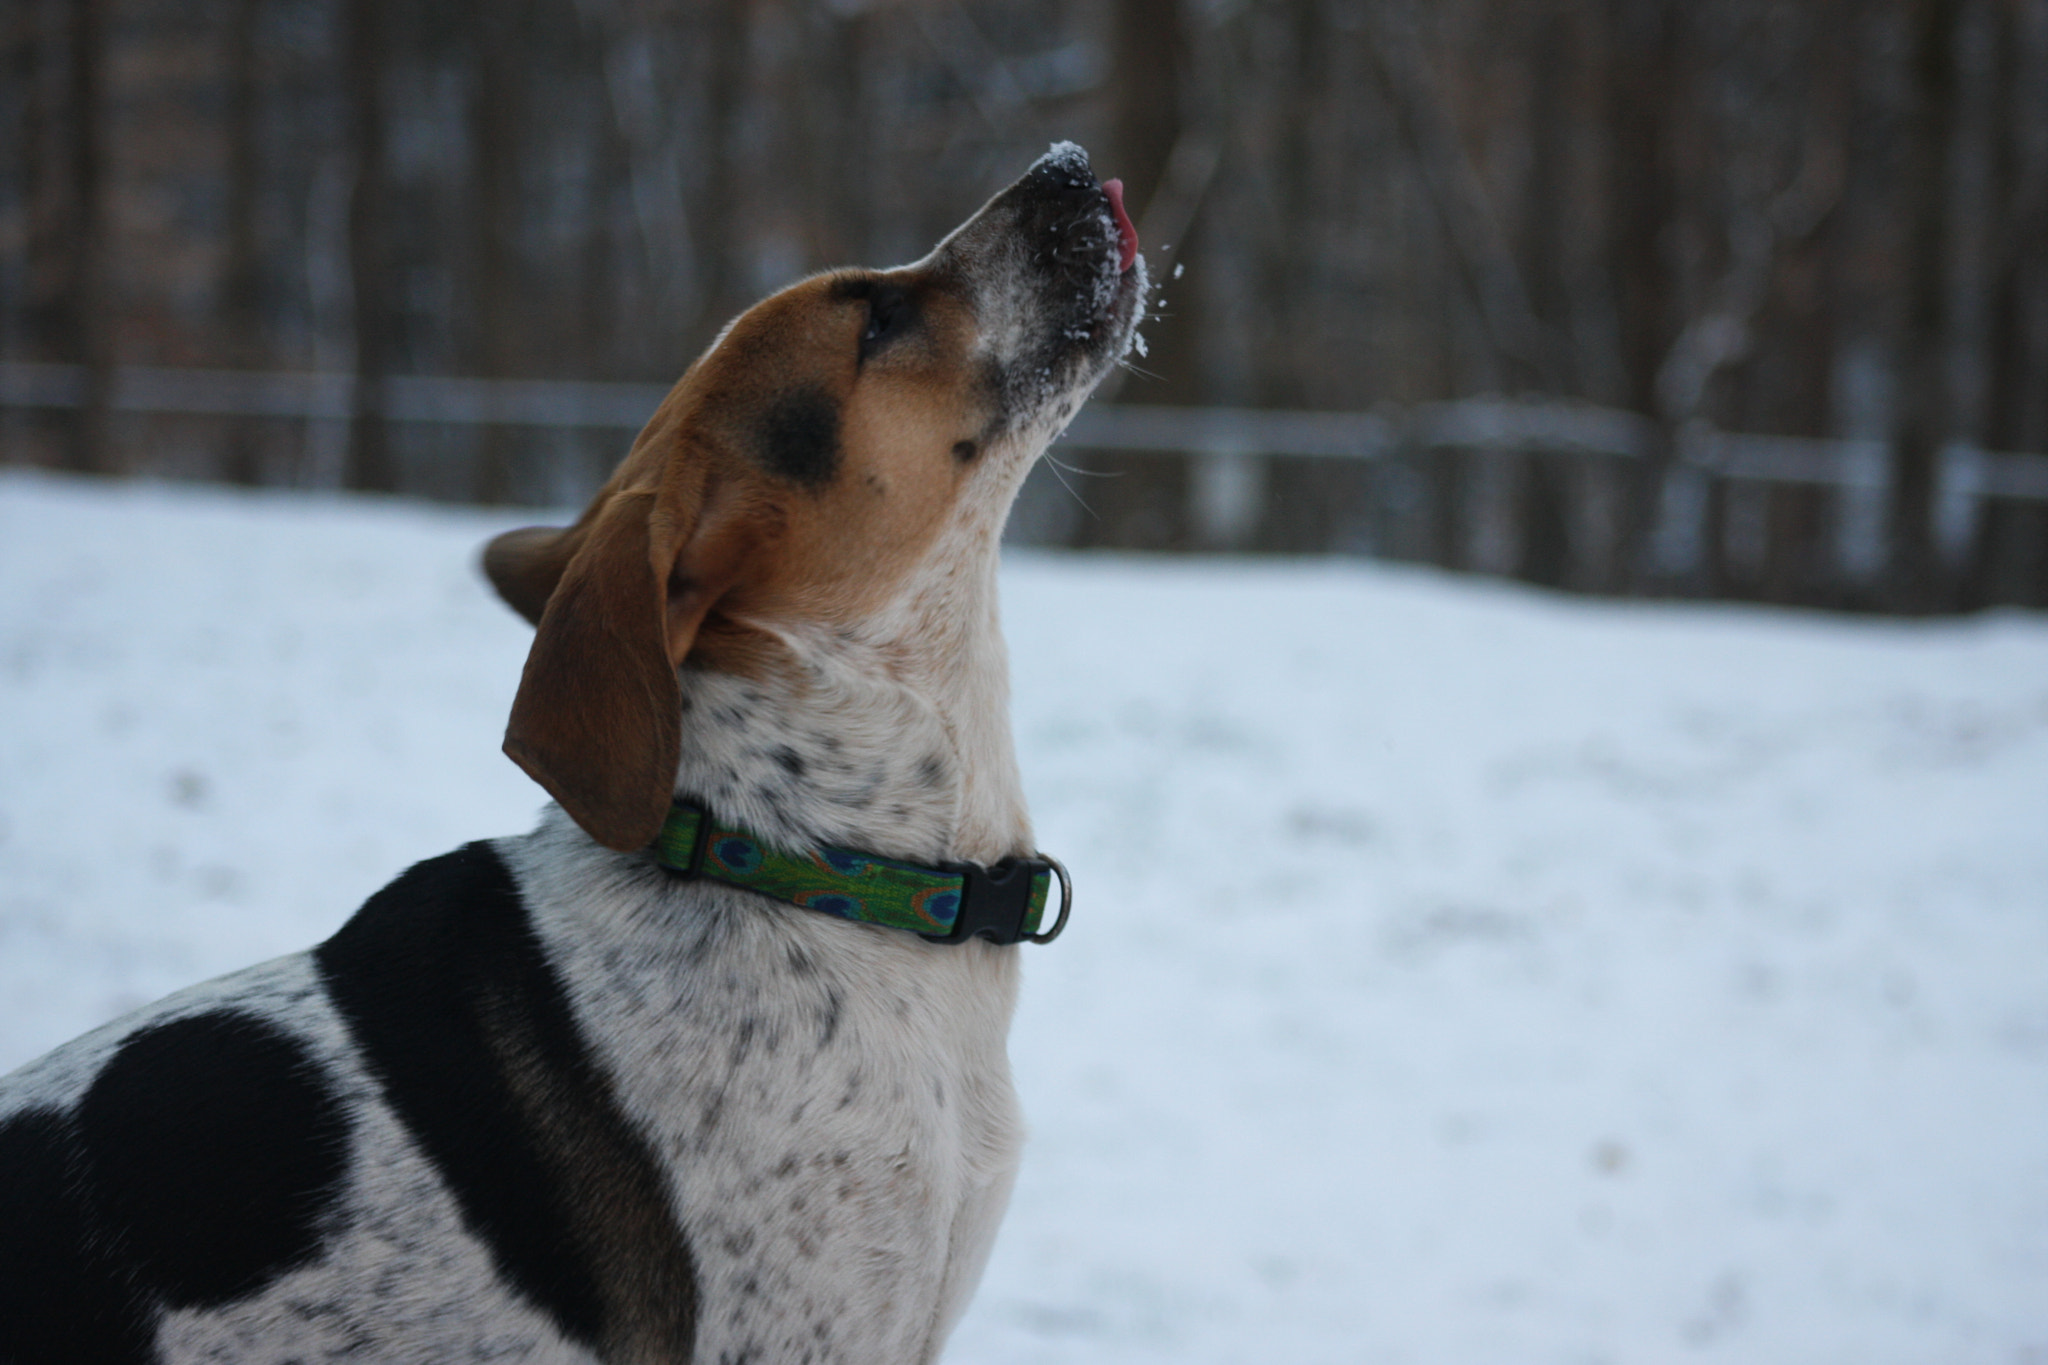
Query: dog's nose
pixel 1053 268
pixel 1077 225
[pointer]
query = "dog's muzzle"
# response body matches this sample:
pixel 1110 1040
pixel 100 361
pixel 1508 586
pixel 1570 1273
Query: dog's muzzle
pixel 1059 285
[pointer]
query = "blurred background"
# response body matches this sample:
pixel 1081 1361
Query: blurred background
pixel 1461 972
pixel 1720 298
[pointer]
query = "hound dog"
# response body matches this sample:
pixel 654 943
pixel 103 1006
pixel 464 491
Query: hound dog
pixel 550 1098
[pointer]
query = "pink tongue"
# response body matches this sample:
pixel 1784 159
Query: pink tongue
pixel 1127 234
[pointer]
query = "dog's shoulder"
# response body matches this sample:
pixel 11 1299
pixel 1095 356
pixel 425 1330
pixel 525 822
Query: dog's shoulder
pixel 414 1092
pixel 452 997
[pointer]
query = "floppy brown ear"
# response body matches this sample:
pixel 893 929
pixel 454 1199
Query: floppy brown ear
pixel 597 720
pixel 525 565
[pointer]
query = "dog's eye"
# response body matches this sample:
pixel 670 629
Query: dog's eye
pixel 888 312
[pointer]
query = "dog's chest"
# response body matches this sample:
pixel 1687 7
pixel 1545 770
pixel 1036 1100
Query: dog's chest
pixel 830 1102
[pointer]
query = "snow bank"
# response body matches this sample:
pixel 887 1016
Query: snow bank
pixel 1459 974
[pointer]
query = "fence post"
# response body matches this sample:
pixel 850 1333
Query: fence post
pixel 1226 492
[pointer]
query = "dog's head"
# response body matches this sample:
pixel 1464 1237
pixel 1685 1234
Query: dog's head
pixel 833 439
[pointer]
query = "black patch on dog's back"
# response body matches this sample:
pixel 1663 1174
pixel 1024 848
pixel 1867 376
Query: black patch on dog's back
pixel 62 1295
pixel 202 1163
pixel 447 990
pixel 215 1148
pixel 799 437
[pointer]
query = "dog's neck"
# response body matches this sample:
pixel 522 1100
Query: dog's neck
pixel 890 734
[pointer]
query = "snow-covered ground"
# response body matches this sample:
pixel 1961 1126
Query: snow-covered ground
pixel 1460 975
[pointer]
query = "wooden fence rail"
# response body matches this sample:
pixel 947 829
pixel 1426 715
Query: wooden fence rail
pixel 1232 453
pixel 1532 425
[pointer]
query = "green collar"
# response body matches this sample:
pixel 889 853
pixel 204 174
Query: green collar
pixel 949 903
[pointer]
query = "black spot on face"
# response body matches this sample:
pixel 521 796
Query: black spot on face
pixel 791 761
pixel 799 437
pixel 965 451
pixel 216 1149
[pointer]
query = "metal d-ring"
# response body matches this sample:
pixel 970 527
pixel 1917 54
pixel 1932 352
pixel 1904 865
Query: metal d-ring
pixel 1066 898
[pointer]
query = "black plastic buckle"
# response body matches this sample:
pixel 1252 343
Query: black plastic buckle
pixel 693 866
pixel 993 900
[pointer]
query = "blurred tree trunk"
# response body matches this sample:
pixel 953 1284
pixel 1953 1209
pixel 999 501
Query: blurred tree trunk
pixel 242 291
pixel 83 303
pixel 1149 55
pixel 500 31
pixel 1543 490
pixel 1644 85
pixel 371 466
pixel 1144 504
pixel 45 195
pixel 603 249
pixel 2012 563
pixel 1555 53
pixel 1789 374
pixel 1914 572
pixel 721 225
pixel 833 175
pixel 1510 350
pixel 1245 499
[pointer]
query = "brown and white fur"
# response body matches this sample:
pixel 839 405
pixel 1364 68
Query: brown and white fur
pixel 542 1099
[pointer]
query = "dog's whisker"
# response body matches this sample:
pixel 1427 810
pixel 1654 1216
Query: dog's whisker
pixel 1085 473
pixel 1073 492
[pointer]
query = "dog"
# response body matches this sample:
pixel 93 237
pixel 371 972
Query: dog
pixel 602 1092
